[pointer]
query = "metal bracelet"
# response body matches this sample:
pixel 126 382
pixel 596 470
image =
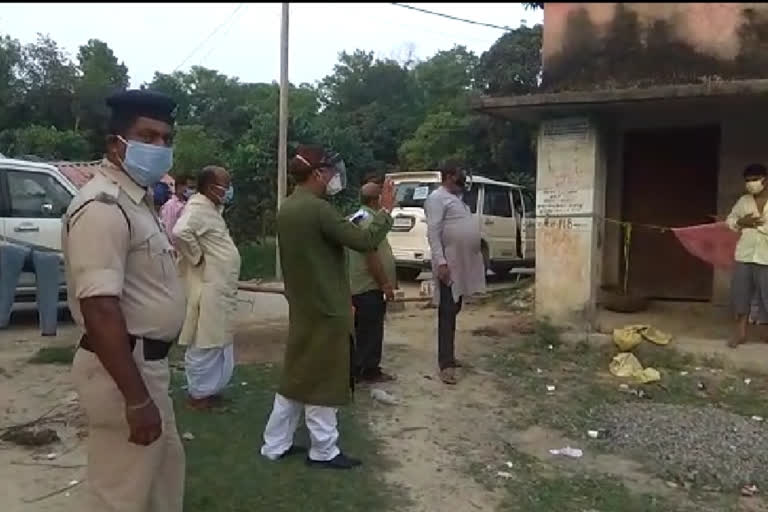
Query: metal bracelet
pixel 139 406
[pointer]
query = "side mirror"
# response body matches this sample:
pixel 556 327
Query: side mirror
pixel 46 209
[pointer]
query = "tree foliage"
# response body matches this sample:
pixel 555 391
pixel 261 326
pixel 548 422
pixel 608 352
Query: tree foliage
pixel 380 114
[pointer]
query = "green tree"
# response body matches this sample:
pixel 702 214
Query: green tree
pixel 442 135
pixel 11 90
pixel 45 142
pixel 174 86
pixel 193 149
pixel 48 78
pixel 377 101
pixel 446 78
pixel 100 74
pixel 513 64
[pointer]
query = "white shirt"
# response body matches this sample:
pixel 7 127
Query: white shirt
pixel 753 242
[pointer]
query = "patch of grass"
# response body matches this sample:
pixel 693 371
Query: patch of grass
pixel 579 493
pixel 583 387
pixel 583 383
pixel 713 361
pixel 258 259
pixel 54 355
pixel 536 486
pixel 225 471
pixel 547 334
pixel 666 357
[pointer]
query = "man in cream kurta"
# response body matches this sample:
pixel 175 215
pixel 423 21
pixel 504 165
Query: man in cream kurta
pixel 210 266
pixel 750 270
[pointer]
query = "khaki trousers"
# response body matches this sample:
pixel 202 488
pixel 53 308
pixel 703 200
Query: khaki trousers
pixel 122 476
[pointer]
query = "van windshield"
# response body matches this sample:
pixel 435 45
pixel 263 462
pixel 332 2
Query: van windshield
pixel 413 193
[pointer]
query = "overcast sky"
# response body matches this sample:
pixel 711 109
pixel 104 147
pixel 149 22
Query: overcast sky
pixel 162 37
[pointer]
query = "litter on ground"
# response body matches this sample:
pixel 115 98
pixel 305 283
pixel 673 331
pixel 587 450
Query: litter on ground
pixel 382 396
pixel 631 336
pixel 627 365
pixel 568 452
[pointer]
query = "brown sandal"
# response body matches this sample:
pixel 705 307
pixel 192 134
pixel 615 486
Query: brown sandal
pixel 448 376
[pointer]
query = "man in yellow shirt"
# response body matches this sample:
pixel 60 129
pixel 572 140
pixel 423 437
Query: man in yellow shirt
pixel 750 270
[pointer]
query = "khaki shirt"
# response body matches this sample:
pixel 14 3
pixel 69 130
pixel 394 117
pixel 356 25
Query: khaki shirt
pixel 753 242
pixel 115 246
pixel 360 278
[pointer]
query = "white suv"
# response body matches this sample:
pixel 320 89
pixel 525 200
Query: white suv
pixel 505 217
pixel 33 197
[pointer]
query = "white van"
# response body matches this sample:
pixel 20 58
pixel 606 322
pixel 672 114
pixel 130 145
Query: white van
pixel 33 197
pixel 505 217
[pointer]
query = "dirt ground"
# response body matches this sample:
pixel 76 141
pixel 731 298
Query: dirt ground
pixel 431 436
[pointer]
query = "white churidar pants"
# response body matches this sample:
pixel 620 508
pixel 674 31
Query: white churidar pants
pixel 321 423
pixel 208 369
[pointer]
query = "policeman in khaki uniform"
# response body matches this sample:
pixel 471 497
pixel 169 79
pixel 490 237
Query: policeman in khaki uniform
pixel 125 293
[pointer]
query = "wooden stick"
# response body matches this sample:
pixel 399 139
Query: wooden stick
pixel 53 493
pixel 30 423
pixel 268 289
pixel 57 466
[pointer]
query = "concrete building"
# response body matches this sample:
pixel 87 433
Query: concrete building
pixel 648 113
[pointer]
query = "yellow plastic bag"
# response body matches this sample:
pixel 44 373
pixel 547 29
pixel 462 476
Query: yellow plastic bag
pixel 625 365
pixel 629 337
pixel 648 375
pixel 656 336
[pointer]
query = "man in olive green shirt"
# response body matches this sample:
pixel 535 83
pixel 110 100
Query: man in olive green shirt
pixel 372 278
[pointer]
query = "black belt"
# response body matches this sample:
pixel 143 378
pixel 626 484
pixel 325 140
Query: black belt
pixel 154 350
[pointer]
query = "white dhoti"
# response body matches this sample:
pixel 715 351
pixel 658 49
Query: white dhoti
pixel 321 423
pixel 208 369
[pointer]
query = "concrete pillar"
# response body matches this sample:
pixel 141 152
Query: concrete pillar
pixel 570 198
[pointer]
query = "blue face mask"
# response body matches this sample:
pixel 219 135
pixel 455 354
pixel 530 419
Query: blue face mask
pixel 229 195
pixel 146 164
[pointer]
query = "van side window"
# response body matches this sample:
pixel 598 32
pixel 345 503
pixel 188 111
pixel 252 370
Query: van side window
pixel 518 201
pixel 36 195
pixel 497 202
pixel 470 198
pixel 530 203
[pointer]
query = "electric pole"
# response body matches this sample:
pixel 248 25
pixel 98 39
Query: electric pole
pixel 282 144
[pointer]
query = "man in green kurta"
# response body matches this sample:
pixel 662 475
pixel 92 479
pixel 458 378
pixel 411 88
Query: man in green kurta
pixel 313 236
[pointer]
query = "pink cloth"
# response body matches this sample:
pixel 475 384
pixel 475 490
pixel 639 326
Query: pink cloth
pixel 170 213
pixel 713 243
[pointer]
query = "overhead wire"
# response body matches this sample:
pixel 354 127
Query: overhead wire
pixel 213 33
pixel 223 35
pixel 454 18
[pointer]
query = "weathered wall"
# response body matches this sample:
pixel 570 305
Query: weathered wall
pixel 742 141
pixel 603 45
pixel 570 191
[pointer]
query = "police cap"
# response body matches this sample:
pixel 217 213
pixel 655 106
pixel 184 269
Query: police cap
pixel 142 103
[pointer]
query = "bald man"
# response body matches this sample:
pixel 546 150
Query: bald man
pixel 210 266
pixel 373 280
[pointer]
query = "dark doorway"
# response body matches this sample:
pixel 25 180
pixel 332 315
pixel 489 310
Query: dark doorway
pixel 670 179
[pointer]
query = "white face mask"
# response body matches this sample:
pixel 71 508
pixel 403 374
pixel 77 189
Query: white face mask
pixel 334 186
pixel 754 187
